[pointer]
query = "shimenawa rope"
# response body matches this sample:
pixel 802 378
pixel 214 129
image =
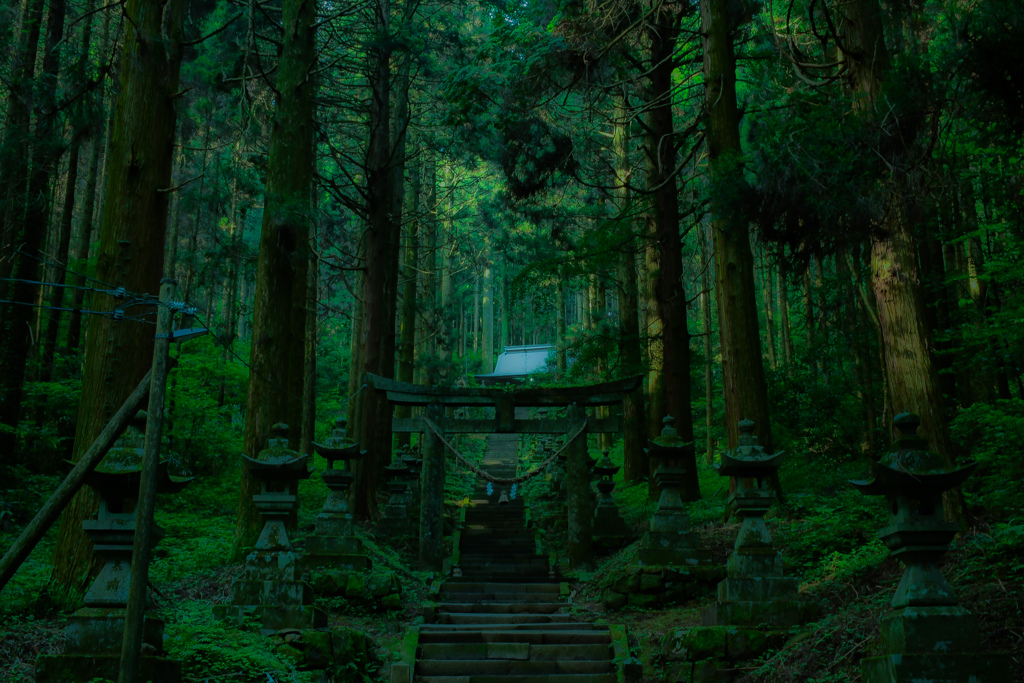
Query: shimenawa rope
pixel 498 480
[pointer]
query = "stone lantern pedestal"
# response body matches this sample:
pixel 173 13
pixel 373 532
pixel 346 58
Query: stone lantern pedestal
pixel 927 636
pixel 413 468
pixel 94 632
pixel 610 530
pixel 271 589
pixel 755 592
pixel 671 540
pixel 333 544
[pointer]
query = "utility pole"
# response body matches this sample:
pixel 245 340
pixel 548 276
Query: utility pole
pixel 135 614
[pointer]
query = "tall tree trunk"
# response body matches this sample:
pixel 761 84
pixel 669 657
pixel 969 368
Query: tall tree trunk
pixel 407 343
pixel 662 32
pixel 706 264
pixel 488 322
pixel 378 241
pixel 117 356
pixel 634 423
pixel 560 301
pixel 912 382
pixel 769 311
pixel 746 393
pixel 277 358
pixel 787 330
pixel 428 303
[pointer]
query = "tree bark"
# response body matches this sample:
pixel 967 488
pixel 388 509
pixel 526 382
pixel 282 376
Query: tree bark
pixel 662 34
pixel 139 166
pixel 277 359
pixel 746 393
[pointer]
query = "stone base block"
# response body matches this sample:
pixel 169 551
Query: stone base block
pixel 273 566
pixel 943 630
pixel 82 668
pixel 771 613
pixel 758 589
pixel 936 668
pixel 668 540
pixel 273 618
pixel 754 562
pixel 332 524
pixel 333 545
pixel 93 630
pixel 356 563
pixel 676 557
pixel 284 593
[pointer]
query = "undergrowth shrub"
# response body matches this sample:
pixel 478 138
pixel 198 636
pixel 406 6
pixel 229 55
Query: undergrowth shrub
pixel 991 436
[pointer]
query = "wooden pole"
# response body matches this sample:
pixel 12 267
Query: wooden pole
pixel 67 489
pixel 131 644
pixel 432 497
pixel 581 499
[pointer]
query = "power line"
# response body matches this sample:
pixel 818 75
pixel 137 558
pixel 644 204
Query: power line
pixel 109 314
pixel 59 266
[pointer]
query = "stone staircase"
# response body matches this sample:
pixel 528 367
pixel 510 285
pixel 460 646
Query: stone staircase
pixel 504 620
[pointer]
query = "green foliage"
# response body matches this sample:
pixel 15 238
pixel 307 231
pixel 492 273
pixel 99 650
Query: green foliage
pixel 992 434
pixel 205 430
pixel 208 649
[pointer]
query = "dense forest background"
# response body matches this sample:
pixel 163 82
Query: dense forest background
pixel 804 212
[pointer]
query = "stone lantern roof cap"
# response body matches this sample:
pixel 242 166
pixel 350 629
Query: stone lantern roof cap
pixel 605 467
pixel 338 446
pixel 669 443
pixel 277 461
pixel 749 458
pixel 120 471
pixel 912 466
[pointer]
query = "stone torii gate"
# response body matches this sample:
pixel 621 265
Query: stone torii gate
pixel 433 426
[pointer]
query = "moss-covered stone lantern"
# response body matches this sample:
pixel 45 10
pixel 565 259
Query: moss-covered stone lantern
pixel 333 543
pixel 395 520
pixel 271 589
pixel 927 635
pixel 94 632
pixel 755 592
pixel 610 530
pixel 671 541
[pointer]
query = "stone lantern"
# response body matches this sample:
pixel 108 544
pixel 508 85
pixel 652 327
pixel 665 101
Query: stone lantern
pixel 395 520
pixel 610 531
pixel 670 540
pixel 271 588
pixel 754 592
pixel 927 635
pixel 414 467
pixel 333 543
pixel 94 632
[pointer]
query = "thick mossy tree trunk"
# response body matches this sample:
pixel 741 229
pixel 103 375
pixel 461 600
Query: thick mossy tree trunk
pixel 131 246
pixel 379 243
pixel 745 389
pixel 634 419
pixel 662 33
pixel 912 381
pixel 277 359
pixel 407 341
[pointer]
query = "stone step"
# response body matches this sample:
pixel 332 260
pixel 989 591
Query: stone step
pixel 502 607
pixel 520 651
pixel 555 678
pixel 497 597
pixel 483 618
pixel 465 586
pixel 529 627
pixel 505 667
pixel 498 635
